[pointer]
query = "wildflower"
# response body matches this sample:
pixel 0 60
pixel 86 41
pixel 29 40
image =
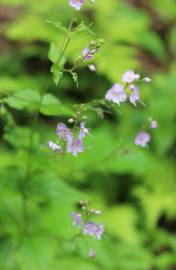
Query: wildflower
pixel 54 147
pixel 77 4
pixel 129 76
pixel 63 131
pixel 74 146
pixel 94 229
pixel 83 131
pixel 142 139
pixel 134 96
pixel 116 94
pixel 92 67
pixel 147 79
pixel 88 53
pixel 91 253
pixel 153 124
pixel 77 221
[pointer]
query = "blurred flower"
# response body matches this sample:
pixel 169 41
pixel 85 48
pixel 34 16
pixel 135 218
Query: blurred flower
pixel 77 221
pixel 134 96
pixel 129 76
pixel 153 124
pixel 77 4
pixel 142 139
pixel 63 131
pixel 83 131
pixel 54 147
pixel 97 212
pixel 91 253
pixel 94 229
pixel 88 53
pixel 74 146
pixel 92 67
pixel 147 79
pixel 116 94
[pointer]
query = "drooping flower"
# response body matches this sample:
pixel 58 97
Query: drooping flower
pixel 88 53
pixel 153 124
pixel 77 221
pixel 142 139
pixel 94 229
pixel 63 131
pixel 54 147
pixel 76 4
pixel 74 146
pixel 83 131
pixel 129 76
pixel 116 94
pixel 134 96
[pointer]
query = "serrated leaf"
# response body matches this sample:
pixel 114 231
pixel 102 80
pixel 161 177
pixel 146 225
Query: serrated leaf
pixel 23 99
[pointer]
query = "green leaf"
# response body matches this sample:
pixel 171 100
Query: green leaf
pixel 23 99
pixel 52 106
pixel 53 54
pixel 58 25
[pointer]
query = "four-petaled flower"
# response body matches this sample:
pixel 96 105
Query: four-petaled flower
pixel 74 146
pixel 116 94
pixel 83 131
pixel 76 4
pixel 93 229
pixel 77 220
pixel 63 131
pixel 134 96
pixel 54 147
pixel 142 139
pixel 129 76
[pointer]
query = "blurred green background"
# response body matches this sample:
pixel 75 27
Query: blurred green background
pixel 135 188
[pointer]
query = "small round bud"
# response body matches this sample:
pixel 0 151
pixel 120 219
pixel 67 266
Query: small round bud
pixel 147 79
pixel 71 120
pixel 92 67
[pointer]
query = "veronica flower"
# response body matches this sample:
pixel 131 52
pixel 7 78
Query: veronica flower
pixel 116 94
pixel 77 4
pixel 74 146
pixel 54 147
pixel 129 76
pixel 63 131
pixel 77 221
pixel 83 131
pixel 134 96
pixel 94 229
pixel 88 53
pixel 142 139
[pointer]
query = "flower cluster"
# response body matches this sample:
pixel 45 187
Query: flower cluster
pixel 143 137
pixel 66 141
pixel 76 4
pixel 88 227
pixel 119 93
pixel 89 52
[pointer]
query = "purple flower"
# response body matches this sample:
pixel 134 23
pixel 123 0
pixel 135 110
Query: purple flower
pixel 134 96
pixel 77 221
pixel 54 147
pixel 153 124
pixel 77 4
pixel 88 54
pixel 63 131
pixel 116 94
pixel 129 76
pixel 94 229
pixel 74 146
pixel 83 131
pixel 142 139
